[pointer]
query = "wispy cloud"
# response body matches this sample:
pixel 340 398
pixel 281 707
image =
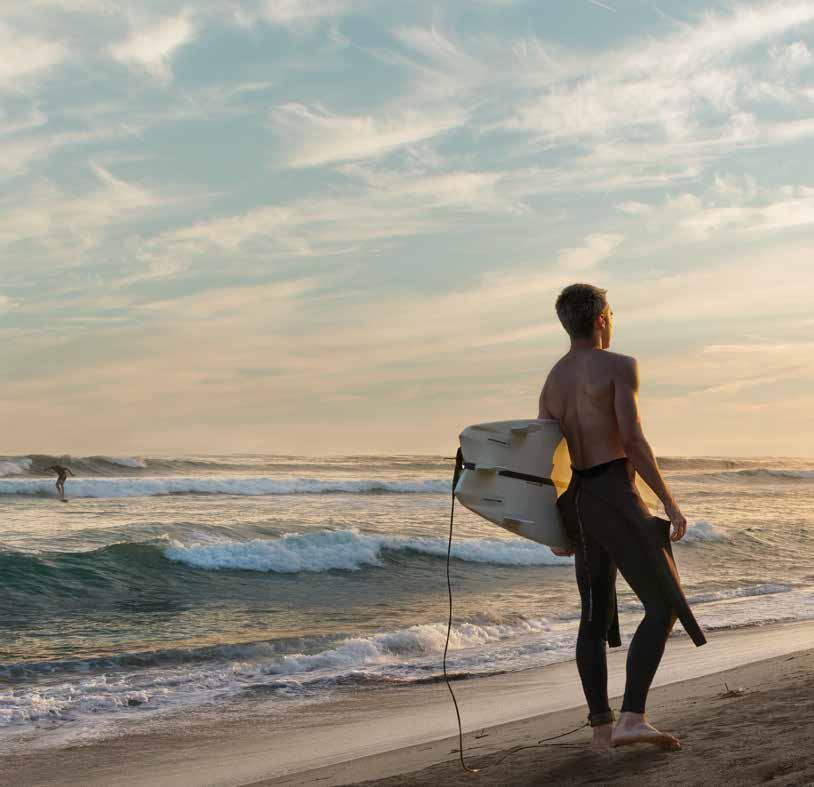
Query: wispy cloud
pixel 596 247
pixel 598 4
pixel 734 207
pixel 25 58
pixel 151 48
pixel 791 57
pixel 48 217
pixel 759 348
pixel 294 13
pixel 656 89
pixel 314 136
pixel 386 207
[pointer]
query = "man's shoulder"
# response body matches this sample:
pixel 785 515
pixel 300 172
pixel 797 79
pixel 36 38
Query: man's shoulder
pixel 619 358
pixel 624 365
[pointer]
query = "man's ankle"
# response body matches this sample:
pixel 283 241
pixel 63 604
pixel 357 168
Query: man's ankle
pixel 630 717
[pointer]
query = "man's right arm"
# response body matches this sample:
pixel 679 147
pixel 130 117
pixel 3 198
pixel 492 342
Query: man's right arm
pixel 638 450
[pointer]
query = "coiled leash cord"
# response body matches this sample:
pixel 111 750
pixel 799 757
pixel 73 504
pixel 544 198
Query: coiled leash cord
pixel 459 461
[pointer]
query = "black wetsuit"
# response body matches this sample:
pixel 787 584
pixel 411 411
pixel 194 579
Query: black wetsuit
pixel 610 526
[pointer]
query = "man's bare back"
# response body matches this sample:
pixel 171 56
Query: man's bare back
pixel 579 393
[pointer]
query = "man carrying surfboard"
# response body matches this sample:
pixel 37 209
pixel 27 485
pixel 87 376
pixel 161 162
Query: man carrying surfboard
pixel 592 393
pixel 62 475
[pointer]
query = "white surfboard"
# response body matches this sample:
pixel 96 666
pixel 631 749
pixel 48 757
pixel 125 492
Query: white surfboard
pixel 514 471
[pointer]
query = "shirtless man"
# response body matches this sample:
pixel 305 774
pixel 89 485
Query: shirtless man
pixel 592 393
pixel 62 474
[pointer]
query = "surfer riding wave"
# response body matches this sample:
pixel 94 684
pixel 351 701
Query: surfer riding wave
pixel 593 394
pixel 62 475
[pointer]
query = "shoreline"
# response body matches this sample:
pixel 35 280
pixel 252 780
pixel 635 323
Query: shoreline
pixel 376 735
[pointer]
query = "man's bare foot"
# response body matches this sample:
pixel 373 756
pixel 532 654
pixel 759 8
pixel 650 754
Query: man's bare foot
pixel 634 728
pixel 602 736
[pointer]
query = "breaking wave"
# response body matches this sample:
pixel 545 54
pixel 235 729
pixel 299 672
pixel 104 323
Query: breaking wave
pixel 47 575
pixel 245 464
pixel 223 485
pixel 350 550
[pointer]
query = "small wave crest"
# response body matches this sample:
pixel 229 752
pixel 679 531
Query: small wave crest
pixel 772 473
pixel 702 463
pixel 746 591
pixel 755 474
pixel 703 532
pixel 122 461
pixel 18 466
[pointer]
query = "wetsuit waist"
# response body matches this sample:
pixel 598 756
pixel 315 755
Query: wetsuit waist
pixel 595 470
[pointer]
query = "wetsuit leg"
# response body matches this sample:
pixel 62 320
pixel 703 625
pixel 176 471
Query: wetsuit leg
pixel 597 589
pixel 646 649
pixel 617 535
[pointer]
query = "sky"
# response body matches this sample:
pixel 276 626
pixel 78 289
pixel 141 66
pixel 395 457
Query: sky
pixel 340 226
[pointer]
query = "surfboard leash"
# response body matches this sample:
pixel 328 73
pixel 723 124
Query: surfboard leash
pixel 459 463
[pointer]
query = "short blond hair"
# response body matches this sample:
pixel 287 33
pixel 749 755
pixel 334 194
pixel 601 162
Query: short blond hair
pixel 578 306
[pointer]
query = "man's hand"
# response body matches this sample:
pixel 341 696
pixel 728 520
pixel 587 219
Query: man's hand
pixel 677 520
pixel 559 552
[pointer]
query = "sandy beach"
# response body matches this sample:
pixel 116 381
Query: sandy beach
pixel 745 724
pixel 750 725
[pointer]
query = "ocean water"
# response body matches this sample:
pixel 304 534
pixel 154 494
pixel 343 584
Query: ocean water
pixel 201 582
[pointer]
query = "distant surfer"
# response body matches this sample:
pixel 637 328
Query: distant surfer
pixel 62 475
pixel 592 393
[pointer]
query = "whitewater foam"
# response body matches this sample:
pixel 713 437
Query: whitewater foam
pixel 399 653
pixel 351 550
